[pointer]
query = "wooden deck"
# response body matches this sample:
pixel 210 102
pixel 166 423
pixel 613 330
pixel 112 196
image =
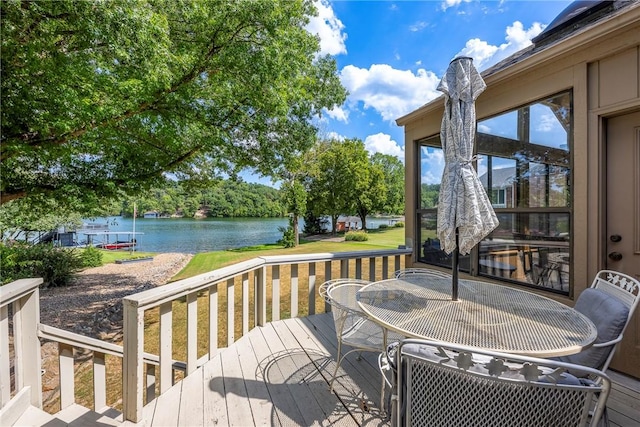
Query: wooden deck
pixel 278 375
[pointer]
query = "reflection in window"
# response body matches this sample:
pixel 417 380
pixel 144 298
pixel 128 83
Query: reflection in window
pixel 431 165
pixel 523 161
pixel 533 163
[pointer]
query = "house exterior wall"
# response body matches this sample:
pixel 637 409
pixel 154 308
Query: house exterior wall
pixel 601 65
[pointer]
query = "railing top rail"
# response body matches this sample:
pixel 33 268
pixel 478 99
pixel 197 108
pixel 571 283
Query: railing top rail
pixel 92 344
pixel 17 289
pixel 332 256
pixel 156 296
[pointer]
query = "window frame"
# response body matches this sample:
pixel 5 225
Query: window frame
pixel 473 267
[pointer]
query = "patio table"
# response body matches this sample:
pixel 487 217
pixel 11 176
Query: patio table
pixel 486 315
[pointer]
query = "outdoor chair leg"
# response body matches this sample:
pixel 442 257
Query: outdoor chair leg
pixel 338 361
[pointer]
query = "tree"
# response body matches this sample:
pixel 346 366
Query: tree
pixel 393 171
pixel 370 189
pixel 295 198
pixel 101 97
pixel 331 185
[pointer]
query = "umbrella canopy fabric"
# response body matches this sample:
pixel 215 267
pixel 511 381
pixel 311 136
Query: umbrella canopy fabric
pixel 463 202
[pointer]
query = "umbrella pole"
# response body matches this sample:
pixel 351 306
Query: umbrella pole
pixel 454 268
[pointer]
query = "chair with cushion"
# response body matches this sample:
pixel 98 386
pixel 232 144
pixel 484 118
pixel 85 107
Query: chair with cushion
pixel 353 327
pixel 609 303
pixel 442 384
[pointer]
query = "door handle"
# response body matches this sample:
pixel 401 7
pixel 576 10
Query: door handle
pixel 615 238
pixel 615 256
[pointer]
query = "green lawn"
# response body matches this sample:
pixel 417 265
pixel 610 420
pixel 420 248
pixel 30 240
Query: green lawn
pixel 207 261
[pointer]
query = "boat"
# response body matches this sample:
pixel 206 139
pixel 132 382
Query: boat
pixel 120 244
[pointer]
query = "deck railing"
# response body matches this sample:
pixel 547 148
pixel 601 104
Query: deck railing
pixel 262 282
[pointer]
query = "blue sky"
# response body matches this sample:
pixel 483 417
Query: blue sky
pixel 391 55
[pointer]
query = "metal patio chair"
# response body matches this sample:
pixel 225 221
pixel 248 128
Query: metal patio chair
pixel 353 327
pixel 442 384
pixel 407 272
pixel 609 303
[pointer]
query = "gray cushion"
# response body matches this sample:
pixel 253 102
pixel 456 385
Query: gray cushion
pixel 609 315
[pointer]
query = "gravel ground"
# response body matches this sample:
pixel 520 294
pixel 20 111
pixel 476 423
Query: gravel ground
pixel 97 292
pixel 92 304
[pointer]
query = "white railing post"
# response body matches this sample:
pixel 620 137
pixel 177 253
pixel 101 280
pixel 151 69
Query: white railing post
pixel 192 332
pixel 327 277
pixel 372 269
pixel 5 360
pixel 359 268
pixel 66 372
pixel 231 299
pixel 213 320
pixel 29 315
pixel 132 363
pixel 312 288
pixel 25 297
pixel 245 304
pixel 294 290
pixel 261 295
pixel 344 268
pixel 99 381
pixel 166 346
pixel 275 292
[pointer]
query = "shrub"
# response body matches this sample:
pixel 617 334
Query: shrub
pixel 288 235
pixel 399 224
pixel 55 265
pixel 91 257
pixel 356 236
pixel 383 226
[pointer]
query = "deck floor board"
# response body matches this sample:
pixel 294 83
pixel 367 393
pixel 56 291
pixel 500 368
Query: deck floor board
pixel 279 375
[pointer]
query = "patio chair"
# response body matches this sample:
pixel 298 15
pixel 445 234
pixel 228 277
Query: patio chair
pixel 609 303
pixel 422 271
pixel 353 327
pixel 442 384
pixel 544 270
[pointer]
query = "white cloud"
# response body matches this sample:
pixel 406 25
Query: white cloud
pixel 547 123
pixel 338 113
pixel 335 136
pixel 483 128
pixel 517 38
pixel 382 143
pixel 418 26
pixel 391 92
pixel 432 160
pixel 329 28
pixel 451 3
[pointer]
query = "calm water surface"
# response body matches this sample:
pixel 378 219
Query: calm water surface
pixel 188 235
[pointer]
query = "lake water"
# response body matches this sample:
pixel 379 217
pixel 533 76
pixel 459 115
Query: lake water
pixel 188 235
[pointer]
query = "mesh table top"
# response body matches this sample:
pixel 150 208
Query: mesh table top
pixel 486 316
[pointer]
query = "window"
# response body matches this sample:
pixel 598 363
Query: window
pixel 524 164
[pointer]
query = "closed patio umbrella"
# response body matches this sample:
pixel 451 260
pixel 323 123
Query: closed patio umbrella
pixel 465 214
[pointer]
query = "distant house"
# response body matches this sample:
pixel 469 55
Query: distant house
pixel 348 223
pixel 151 214
pixel 558 150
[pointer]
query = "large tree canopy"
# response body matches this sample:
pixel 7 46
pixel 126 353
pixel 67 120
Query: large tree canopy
pixel 100 96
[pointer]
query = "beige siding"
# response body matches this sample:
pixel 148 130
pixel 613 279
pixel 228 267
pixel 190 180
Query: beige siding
pixel 602 66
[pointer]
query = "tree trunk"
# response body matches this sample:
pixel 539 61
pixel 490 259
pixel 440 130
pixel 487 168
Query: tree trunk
pixel 295 231
pixel 363 218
